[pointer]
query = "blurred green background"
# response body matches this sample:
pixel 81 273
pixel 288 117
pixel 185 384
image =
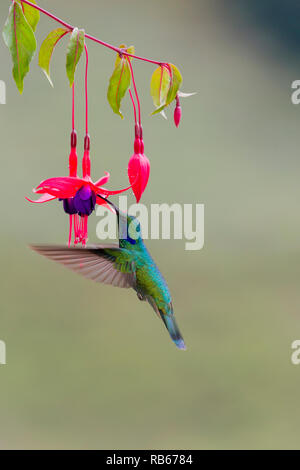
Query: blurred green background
pixel 91 367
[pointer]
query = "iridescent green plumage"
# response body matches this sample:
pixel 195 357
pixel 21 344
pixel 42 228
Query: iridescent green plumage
pixel 127 265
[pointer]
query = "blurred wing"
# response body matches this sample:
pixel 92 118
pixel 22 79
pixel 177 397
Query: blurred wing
pixel 108 264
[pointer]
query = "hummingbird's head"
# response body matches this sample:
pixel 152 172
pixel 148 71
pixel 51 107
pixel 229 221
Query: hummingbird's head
pixel 129 228
pixel 133 230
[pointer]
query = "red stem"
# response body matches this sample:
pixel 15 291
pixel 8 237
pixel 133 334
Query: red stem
pixel 47 13
pixel 135 90
pixel 73 107
pixel 88 36
pixel 134 107
pixel 86 91
pixel 86 162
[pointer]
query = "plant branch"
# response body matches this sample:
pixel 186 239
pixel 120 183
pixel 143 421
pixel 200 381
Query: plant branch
pixel 88 36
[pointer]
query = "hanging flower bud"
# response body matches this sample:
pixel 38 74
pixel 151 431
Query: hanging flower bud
pixel 138 166
pixel 138 173
pixel 177 112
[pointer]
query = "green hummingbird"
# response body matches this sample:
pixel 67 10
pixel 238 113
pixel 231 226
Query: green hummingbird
pixel 128 265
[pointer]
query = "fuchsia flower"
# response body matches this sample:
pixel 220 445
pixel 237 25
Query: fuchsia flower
pixel 139 165
pixel 79 195
pixel 178 110
pixel 67 203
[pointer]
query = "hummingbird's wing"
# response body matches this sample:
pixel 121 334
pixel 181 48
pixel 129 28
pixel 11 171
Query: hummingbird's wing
pixel 108 264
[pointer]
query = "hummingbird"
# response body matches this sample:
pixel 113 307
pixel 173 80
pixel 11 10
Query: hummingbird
pixel 128 265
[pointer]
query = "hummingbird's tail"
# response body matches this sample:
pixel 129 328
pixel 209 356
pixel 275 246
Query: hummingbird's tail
pixel 167 316
pixel 171 325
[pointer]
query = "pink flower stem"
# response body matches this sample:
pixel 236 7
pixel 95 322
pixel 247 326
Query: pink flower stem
pixel 73 107
pixel 86 91
pixel 135 90
pixel 134 107
pixel 88 36
pixel 86 161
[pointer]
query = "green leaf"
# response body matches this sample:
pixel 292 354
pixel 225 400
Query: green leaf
pixel 159 110
pixel 47 49
pixel 119 81
pixel 31 14
pixel 163 97
pixel 118 85
pixel 160 85
pixel 20 40
pixel 176 82
pixel 74 52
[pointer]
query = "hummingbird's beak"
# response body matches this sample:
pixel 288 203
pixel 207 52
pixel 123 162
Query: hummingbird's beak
pixel 111 204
